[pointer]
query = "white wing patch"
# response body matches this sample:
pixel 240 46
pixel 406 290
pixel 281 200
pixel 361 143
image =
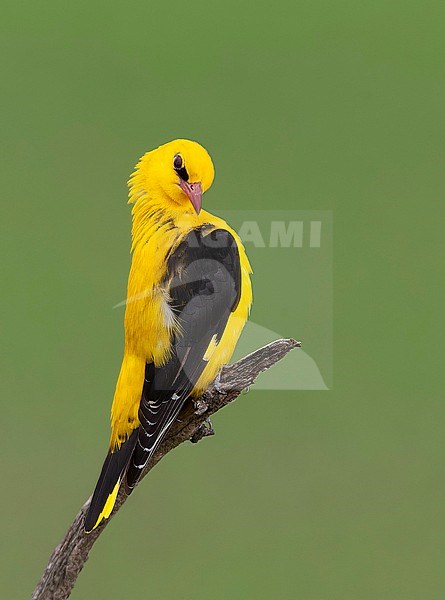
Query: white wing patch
pixel 210 348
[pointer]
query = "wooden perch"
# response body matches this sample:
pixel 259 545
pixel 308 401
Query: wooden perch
pixel 193 424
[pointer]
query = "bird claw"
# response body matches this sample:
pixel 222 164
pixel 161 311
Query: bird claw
pixel 204 430
pixel 200 406
pixel 217 383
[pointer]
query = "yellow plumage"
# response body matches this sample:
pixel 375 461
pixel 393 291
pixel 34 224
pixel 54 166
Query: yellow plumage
pixel 163 216
pixel 147 335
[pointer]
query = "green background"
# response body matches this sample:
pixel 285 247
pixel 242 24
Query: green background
pixel 313 105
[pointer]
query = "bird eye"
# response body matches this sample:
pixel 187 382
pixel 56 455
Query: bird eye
pixel 178 163
pixel 179 167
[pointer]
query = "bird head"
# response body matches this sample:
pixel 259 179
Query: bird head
pixel 178 172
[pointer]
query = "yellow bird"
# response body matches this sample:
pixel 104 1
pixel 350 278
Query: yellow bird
pixel 188 299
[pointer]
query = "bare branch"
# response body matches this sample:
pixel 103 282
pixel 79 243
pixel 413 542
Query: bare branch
pixel 193 424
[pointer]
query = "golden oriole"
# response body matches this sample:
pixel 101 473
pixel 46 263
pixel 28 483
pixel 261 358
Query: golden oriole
pixel 188 299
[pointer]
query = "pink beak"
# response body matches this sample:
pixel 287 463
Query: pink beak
pixel 194 192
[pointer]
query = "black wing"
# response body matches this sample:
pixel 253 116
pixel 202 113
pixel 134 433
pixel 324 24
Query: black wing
pixel 204 283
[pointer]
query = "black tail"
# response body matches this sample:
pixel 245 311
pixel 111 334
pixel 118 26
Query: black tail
pixel 108 484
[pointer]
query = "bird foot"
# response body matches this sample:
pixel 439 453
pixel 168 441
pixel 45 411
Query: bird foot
pixel 217 383
pixel 200 406
pixel 204 430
